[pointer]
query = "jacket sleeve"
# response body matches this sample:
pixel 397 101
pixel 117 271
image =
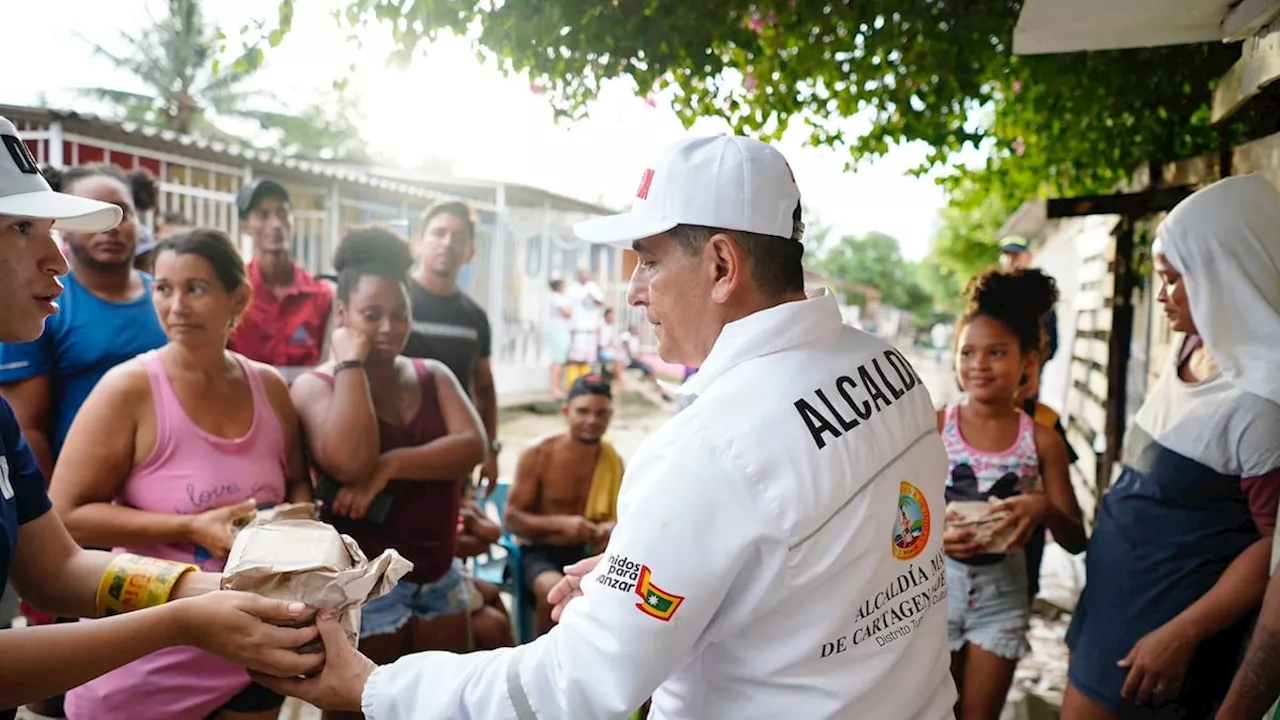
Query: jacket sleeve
pixel 688 529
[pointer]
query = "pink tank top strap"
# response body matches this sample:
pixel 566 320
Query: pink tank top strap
pixel 262 407
pixel 1026 425
pixel 951 416
pixel 1027 437
pixel 264 413
pixel 951 439
pixel 163 399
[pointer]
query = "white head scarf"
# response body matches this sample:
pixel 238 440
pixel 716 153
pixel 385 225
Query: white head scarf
pixel 1225 241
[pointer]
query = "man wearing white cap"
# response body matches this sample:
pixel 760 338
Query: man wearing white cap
pixel 778 551
pixel 37 555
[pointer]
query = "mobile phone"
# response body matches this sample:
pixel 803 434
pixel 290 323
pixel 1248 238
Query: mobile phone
pixel 327 489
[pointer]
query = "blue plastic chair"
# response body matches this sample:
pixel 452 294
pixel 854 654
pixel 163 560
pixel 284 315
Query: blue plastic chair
pixel 504 570
pixel 490 566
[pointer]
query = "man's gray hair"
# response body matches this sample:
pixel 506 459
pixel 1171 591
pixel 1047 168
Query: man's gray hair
pixel 776 262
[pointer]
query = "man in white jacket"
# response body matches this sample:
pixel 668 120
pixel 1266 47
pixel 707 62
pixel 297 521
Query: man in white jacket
pixel 778 551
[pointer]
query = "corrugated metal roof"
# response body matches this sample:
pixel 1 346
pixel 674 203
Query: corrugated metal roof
pixel 399 181
pixel 517 194
pixel 211 150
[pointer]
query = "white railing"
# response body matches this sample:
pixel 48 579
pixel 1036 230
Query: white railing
pixel 626 316
pixel 201 207
pixel 311 240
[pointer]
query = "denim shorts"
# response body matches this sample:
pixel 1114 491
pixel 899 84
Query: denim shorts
pixel 987 606
pixel 411 601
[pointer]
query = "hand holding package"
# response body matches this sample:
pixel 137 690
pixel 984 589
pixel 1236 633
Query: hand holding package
pixel 284 554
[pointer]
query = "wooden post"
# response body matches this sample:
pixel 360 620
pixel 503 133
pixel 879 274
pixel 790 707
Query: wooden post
pixel 1131 207
pixel 1118 350
pixel 1258 67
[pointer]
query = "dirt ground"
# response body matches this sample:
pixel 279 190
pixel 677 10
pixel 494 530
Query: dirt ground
pixel 635 416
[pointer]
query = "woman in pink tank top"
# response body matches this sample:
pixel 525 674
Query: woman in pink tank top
pixel 382 425
pixel 166 452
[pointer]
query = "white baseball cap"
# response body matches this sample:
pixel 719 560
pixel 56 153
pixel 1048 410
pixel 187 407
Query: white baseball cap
pixel 25 193
pixel 726 182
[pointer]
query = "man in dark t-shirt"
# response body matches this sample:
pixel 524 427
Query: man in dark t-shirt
pixel 448 325
pixel 450 328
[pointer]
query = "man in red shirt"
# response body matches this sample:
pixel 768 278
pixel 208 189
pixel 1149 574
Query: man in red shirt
pixel 287 322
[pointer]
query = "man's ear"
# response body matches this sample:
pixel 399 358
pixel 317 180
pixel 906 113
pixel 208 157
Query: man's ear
pixel 726 264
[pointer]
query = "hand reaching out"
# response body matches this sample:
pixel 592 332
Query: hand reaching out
pixel 340 685
pixel 250 630
pixel 213 529
pixel 570 586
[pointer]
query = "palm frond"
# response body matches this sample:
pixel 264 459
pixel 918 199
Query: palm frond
pixel 270 120
pixel 141 116
pixel 202 125
pixel 120 98
pixel 143 61
pixel 174 58
pixel 228 79
pixel 236 103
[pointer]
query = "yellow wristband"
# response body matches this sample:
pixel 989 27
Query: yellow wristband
pixel 133 582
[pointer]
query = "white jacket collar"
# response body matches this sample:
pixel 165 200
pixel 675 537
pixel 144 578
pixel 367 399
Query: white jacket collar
pixel 766 332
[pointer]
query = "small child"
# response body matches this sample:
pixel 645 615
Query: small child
pixel 999 455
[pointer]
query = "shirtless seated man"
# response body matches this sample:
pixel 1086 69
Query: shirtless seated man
pixel 563 501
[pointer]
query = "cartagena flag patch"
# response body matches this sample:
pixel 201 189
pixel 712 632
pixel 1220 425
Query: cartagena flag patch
pixel 655 602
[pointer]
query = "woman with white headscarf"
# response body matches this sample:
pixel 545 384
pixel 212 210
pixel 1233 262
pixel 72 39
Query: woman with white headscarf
pixel 1178 561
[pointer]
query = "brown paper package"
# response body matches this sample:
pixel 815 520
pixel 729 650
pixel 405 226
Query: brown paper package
pixel 285 554
pixel 978 517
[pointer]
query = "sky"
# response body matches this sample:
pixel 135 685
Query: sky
pixel 449 106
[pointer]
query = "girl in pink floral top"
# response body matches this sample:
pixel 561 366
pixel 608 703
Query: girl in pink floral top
pixel 998 455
